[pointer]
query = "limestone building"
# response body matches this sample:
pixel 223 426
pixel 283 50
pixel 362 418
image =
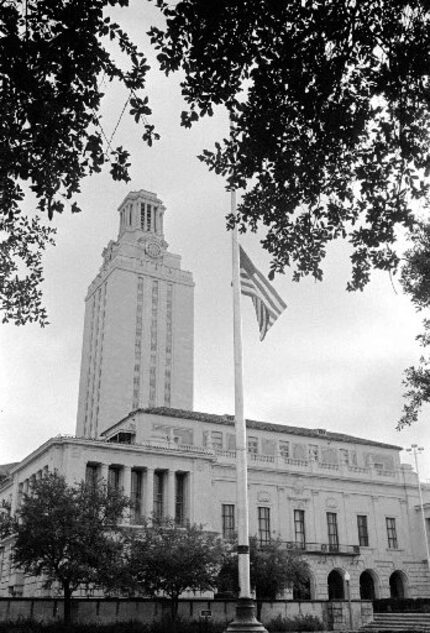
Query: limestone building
pixel 138 331
pixel 348 503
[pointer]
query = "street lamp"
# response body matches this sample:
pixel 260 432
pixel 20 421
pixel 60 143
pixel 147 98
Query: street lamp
pixel 415 449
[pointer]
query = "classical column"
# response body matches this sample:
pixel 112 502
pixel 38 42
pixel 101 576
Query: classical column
pixel 104 468
pixel 148 495
pixel 143 493
pixel 14 500
pixel 171 499
pixel 126 488
pixel 126 481
pixel 190 495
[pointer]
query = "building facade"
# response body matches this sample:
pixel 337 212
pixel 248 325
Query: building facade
pixel 348 503
pixel 138 344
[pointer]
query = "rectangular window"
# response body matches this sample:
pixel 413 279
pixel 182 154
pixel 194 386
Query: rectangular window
pixel 231 442
pixel 158 494
pixel 391 533
pixel 299 528
pixel 216 439
pixel 344 455
pixel 91 475
pixel 263 525
pixel 363 535
pixel 333 539
pixel 148 217
pixel 227 515
pixel 136 495
pixel 252 445
pixel 314 452
pixel 142 216
pixel 180 498
pixel 284 449
pixel 114 476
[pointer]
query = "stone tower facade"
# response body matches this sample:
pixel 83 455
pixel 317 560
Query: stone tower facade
pixel 139 323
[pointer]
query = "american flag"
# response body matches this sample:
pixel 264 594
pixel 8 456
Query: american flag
pixel 267 303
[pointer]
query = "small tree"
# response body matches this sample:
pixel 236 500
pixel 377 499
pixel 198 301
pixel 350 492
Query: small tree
pixel 170 559
pixel 273 567
pixel 68 534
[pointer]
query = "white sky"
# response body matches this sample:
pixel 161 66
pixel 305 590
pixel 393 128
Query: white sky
pixel 333 360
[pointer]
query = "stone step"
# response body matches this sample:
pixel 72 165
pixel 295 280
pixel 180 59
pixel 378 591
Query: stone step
pixel 398 623
pixel 399 618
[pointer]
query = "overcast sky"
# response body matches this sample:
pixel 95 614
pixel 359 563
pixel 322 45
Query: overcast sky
pixel 333 360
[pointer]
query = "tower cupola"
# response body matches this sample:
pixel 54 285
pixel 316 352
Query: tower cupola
pixel 141 211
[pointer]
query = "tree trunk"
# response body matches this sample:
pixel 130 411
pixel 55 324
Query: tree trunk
pixel 174 607
pixel 67 602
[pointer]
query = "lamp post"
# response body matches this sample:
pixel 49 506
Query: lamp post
pixel 415 450
pixel 347 577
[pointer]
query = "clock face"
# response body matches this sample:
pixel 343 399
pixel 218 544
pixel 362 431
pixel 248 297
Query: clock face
pixel 153 249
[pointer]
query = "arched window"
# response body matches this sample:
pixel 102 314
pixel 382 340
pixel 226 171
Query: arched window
pixel 398 585
pixel 336 590
pixel 368 585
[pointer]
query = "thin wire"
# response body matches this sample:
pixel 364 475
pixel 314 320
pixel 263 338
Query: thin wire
pixel 392 283
pixel 120 117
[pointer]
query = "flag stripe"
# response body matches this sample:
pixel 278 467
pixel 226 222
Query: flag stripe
pixel 266 287
pixel 253 286
pixel 251 271
pixel 267 303
pixel 264 296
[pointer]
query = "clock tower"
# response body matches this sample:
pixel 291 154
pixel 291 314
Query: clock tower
pixel 138 331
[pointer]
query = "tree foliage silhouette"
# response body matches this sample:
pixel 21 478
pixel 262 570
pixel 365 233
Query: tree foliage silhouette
pixel 54 60
pixel 69 534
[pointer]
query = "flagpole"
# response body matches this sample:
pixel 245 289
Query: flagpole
pixel 241 446
pixel 245 620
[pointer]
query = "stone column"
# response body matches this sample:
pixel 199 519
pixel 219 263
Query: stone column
pixel 126 487
pixel 190 496
pixel 104 473
pixel 148 495
pixel 14 499
pixel 126 481
pixel 171 500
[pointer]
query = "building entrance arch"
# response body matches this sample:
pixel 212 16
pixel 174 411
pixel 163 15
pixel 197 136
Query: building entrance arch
pixel 368 585
pixel 398 585
pixel 336 585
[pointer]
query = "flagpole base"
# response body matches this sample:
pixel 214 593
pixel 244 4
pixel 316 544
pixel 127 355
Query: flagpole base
pixel 245 620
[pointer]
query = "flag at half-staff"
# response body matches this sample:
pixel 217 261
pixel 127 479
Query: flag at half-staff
pixel 267 303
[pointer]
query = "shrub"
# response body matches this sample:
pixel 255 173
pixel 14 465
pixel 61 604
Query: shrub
pixel 298 623
pixel 166 626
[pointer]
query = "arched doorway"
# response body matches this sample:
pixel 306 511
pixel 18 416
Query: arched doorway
pixel 398 585
pixel 336 590
pixel 367 586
